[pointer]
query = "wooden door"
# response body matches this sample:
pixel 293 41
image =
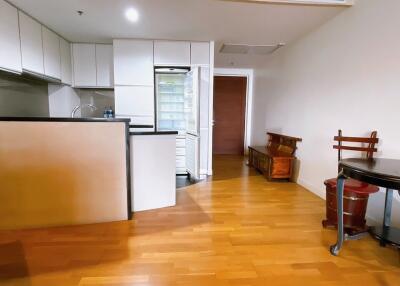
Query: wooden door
pixel 229 114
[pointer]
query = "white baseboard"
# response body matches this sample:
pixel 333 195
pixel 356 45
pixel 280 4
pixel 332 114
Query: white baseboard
pixel 312 188
pixel 372 221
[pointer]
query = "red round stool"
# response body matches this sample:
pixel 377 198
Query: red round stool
pixel 355 201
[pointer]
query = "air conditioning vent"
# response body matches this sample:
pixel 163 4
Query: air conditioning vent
pixel 249 49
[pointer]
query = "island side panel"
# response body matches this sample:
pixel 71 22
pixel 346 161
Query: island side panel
pixel 62 173
pixel 153 176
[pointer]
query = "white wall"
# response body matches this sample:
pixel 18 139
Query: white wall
pixel 62 100
pixel 343 75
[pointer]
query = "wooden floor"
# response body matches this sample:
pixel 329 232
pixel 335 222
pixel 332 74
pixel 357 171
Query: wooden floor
pixel 234 229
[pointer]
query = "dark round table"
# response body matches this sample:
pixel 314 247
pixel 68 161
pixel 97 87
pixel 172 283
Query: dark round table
pixel 380 172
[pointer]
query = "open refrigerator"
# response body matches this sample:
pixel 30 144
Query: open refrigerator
pixel 177 109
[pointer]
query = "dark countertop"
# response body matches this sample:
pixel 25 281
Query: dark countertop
pixel 140 126
pixel 154 133
pixel 64 119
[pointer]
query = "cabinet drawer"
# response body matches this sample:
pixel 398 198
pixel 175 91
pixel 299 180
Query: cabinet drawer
pixel 181 171
pixel 180 151
pixel 180 161
pixel 180 143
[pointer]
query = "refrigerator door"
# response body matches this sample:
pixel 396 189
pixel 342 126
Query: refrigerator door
pixel 193 156
pixel 192 115
pixel 191 99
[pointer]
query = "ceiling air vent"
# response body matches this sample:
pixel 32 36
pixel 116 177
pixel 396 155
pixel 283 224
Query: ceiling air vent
pixel 249 49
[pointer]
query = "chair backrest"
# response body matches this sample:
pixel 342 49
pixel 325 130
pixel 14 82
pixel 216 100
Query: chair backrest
pixel 282 143
pixel 369 149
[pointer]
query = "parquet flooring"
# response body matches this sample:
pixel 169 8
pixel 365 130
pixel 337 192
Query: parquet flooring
pixel 233 229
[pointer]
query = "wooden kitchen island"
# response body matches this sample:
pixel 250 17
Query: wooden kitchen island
pixel 63 171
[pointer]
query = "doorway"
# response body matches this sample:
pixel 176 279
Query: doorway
pixel 229 115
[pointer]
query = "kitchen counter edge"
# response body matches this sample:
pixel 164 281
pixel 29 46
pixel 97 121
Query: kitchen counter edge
pixel 64 119
pixel 154 133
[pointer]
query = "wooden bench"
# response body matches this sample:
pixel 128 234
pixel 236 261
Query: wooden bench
pixel 275 161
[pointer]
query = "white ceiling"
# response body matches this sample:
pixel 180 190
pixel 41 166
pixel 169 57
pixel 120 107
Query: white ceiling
pixel 222 21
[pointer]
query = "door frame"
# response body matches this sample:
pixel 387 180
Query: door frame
pixel 247 73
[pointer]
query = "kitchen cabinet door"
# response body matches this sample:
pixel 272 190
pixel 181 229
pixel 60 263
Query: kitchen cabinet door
pixel 51 53
pixel 134 100
pixel 10 51
pixel 104 64
pixel 171 53
pixel 133 62
pixel 31 44
pixel 200 53
pixel 66 64
pixel 84 65
pixel 204 95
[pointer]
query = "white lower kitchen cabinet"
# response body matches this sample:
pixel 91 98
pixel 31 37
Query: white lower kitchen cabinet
pixel 181 155
pixel 10 51
pixel 140 120
pixel 153 171
pixel 134 100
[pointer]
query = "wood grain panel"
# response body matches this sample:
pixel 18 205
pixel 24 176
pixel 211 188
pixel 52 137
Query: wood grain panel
pixel 229 114
pixel 55 173
pixel 234 229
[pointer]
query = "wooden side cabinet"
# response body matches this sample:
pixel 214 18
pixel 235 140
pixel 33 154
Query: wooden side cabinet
pixel 276 160
pixel 272 167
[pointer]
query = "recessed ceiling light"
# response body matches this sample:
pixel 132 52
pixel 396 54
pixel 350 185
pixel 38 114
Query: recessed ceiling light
pixel 132 14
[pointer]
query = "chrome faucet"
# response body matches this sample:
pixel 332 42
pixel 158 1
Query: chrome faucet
pixel 76 108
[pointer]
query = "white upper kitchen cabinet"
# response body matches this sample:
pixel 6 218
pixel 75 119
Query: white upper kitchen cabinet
pixel 31 44
pixel 66 64
pixel 171 53
pixel 10 51
pixel 104 65
pixel 51 53
pixel 133 62
pixel 84 65
pixel 200 54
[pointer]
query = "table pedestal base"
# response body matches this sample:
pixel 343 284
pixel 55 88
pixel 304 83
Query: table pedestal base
pixel 386 235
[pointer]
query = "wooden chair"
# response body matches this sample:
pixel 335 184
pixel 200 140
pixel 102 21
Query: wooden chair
pixel 356 193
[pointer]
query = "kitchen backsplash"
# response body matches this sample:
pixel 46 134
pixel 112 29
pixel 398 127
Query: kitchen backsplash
pixel 100 98
pixel 23 97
